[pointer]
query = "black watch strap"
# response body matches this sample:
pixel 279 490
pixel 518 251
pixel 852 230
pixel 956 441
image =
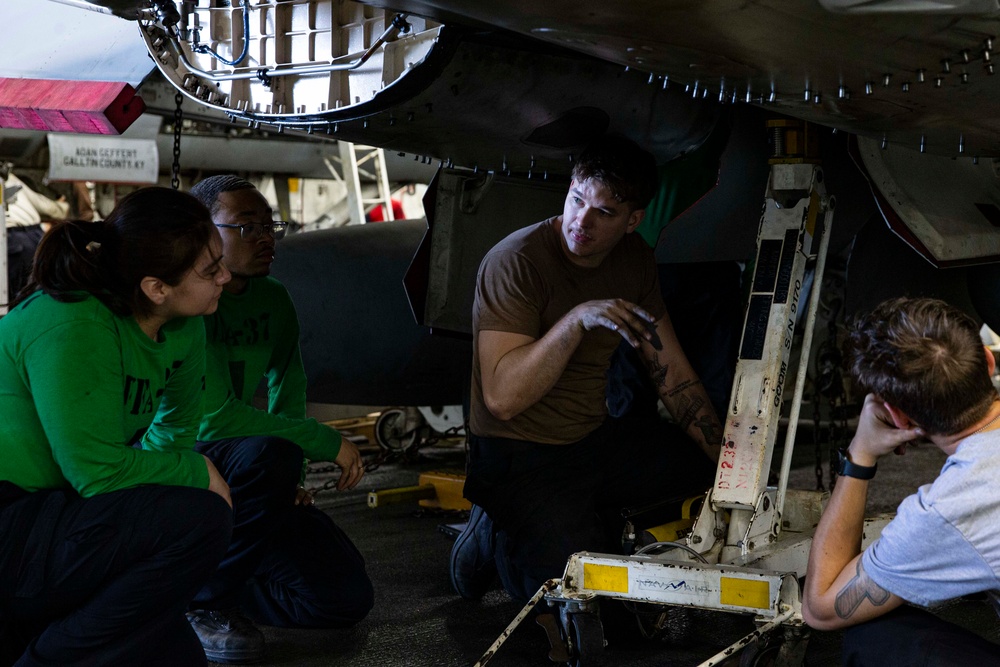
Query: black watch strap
pixel 848 469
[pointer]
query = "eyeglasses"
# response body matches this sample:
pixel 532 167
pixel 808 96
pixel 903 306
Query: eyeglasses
pixel 254 230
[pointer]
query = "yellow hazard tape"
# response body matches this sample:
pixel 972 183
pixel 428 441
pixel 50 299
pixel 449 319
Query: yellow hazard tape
pixel 610 578
pixel 745 593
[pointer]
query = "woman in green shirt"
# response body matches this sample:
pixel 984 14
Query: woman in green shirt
pixel 109 521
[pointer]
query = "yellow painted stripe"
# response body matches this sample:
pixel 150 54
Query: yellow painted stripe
pixel 745 593
pixel 813 214
pixel 610 578
pixel 671 532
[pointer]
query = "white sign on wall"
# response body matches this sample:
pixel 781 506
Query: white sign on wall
pixel 83 157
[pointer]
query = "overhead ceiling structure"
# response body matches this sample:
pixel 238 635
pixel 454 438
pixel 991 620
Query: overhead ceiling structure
pixel 916 73
pixel 519 87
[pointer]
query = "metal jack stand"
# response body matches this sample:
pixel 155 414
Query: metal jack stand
pixel 752 561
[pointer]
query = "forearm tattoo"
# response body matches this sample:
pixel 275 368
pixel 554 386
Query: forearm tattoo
pixel 856 591
pixel 657 372
pixel 688 409
pixel 711 429
pixel 682 386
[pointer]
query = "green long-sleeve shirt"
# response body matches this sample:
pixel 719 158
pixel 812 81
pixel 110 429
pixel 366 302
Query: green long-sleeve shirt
pixel 255 335
pixel 79 384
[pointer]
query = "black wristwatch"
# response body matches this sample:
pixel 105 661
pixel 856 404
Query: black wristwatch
pixel 848 469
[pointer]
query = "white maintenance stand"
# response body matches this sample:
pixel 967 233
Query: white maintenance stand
pixel 748 548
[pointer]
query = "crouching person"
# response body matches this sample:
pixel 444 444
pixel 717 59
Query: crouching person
pixel 289 564
pixel 110 522
pixel 928 376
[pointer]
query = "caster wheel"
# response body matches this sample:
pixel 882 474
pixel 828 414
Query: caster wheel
pixel 761 653
pixel 390 433
pixel 587 638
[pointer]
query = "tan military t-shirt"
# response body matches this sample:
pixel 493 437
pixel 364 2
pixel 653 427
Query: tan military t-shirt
pixel 525 285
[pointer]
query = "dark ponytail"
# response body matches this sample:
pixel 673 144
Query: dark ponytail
pixel 154 232
pixel 69 264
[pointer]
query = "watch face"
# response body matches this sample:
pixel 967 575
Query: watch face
pixel 841 458
pixel 841 462
pixel 848 469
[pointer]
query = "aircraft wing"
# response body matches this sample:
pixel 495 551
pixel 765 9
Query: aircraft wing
pixel 918 73
pixel 914 73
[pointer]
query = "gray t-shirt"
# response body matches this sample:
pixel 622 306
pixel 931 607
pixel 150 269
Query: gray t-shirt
pixel 945 540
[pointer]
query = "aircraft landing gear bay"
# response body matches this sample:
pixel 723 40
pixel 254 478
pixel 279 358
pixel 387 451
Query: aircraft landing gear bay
pixel 748 548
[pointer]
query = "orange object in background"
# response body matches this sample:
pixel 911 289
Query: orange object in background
pixel 89 107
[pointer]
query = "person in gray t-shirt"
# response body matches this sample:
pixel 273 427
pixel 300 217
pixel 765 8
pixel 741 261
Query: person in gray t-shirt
pixel 927 377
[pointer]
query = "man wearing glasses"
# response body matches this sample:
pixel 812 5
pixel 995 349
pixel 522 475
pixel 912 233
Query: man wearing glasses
pixel 288 564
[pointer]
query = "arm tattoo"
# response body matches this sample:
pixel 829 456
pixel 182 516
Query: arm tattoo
pixel 688 409
pixel 657 372
pixel 856 591
pixel 682 386
pixel 711 430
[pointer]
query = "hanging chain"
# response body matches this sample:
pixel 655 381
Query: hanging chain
pixel 839 435
pixel 829 384
pixel 175 167
pixel 817 399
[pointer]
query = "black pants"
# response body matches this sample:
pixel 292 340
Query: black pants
pixel 106 580
pixel 550 501
pixel 908 637
pixel 287 565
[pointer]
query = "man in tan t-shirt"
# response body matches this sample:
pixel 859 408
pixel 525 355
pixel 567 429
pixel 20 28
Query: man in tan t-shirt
pixel 553 302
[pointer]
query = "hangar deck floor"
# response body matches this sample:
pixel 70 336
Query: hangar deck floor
pixel 418 621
